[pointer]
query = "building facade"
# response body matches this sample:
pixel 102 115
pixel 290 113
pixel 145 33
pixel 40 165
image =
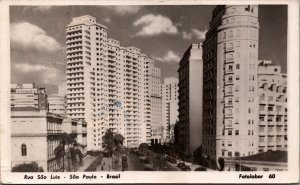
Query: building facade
pixel 27 95
pixel 57 104
pixel 169 93
pixel 272 107
pixel 230 109
pixel 190 100
pixel 107 84
pixel 34 136
pixel 157 129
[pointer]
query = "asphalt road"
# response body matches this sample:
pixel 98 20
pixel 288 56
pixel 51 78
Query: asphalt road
pixel 134 163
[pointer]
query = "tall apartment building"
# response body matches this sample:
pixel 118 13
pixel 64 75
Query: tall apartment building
pixel 107 84
pixel 169 93
pixel 157 129
pixel 27 95
pixel 57 104
pixel 230 109
pixel 190 100
pixel 87 73
pixel 148 63
pixel 272 107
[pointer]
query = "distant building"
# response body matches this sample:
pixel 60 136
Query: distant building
pixel 169 95
pixel 190 100
pixel 57 104
pixel 266 161
pixel 27 95
pixel 230 60
pixel 34 136
pixel 272 107
pixel 157 129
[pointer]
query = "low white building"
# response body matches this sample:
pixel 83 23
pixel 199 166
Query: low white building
pixel 34 136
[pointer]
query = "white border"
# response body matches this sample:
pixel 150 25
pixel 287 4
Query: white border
pixel 291 176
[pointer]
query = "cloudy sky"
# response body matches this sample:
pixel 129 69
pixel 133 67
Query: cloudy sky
pixel 162 32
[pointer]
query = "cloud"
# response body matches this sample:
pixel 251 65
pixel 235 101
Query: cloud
pixel 154 25
pixel 43 8
pixel 125 10
pixel 46 74
pixel 195 33
pixel 169 57
pixel 27 35
pixel 25 67
pixel 107 19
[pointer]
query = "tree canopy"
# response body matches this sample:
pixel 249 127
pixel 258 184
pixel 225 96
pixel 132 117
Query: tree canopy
pixel 112 141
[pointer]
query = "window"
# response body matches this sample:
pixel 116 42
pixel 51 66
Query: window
pixel 238 33
pixel 236 154
pixel 237 132
pixel 229 143
pixel 229 132
pixel 231 34
pixel 237 66
pixel 23 150
pixel 229 154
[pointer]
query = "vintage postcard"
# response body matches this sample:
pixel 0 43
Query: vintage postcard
pixel 149 91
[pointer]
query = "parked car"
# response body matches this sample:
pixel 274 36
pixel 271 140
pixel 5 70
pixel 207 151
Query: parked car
pixel 180 165
pixel 200 169
pixel 186 168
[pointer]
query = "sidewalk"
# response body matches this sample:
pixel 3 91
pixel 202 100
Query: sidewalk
pixel 87 160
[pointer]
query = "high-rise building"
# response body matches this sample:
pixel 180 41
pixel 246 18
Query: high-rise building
pixel 169 93
pixel 190 100
pixel 57 104
pixel 230 109
pixel 87 73
pixel 147 97
pixel 157 129
pixel 27 95
pixel 272 107
pixel 107 84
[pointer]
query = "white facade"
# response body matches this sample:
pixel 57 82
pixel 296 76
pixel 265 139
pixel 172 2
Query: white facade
pixel 34 136
pixel 157 128
pixel 230 54
pixel 107 84
pixel 190 100
pixel 57 104
pixel 272 107
pixel 87 73
pixel 27 95
pixel 169 107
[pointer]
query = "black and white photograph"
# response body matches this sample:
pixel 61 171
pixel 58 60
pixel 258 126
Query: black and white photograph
pixel 114 89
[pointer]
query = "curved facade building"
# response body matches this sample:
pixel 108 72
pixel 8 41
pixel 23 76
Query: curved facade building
pixel 230 109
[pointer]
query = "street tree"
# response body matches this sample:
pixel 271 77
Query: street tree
pixel 112 141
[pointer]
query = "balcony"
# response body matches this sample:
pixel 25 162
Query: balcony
pixel 228 71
